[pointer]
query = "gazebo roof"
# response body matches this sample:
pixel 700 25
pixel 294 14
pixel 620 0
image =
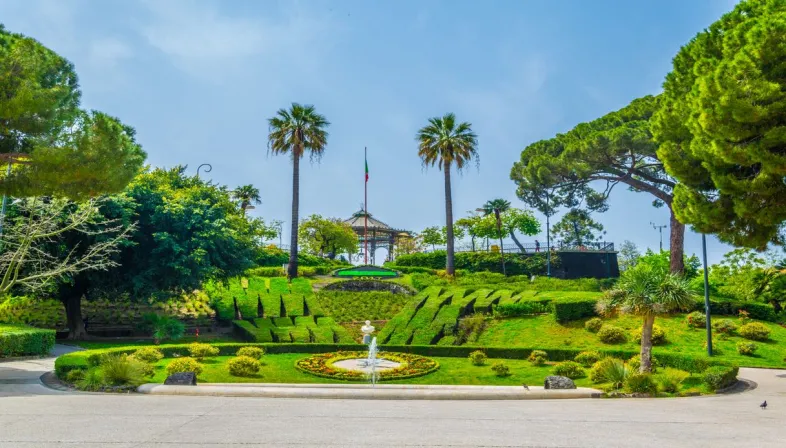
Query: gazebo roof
pixel 358 223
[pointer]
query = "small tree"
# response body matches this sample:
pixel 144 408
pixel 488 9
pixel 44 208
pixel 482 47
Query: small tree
pixel 647 292
pixel 327 237
pixel 246 196
pixel 496 207
pixel 433 236
pixel 577 228
pixel 469 225
pixel 628 256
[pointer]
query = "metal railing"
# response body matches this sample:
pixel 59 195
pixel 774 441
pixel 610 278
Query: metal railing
pixel 596 246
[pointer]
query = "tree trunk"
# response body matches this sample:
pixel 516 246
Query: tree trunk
pixel 292 270
pixel 676 245
pixel 501 247
pixel 516 240
pixel 73 308
pixel 449 222
pixel 472 238
pixel 646 344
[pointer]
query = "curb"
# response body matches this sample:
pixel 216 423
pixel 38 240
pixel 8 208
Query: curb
pixel 357 392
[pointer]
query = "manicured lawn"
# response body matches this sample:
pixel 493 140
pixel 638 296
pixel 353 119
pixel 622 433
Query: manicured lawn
pixel 544 332
pixel 352 306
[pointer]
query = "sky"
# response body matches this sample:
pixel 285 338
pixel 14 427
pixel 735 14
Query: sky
pixel 198 80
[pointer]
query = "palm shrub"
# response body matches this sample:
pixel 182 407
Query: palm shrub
pixel 243 366
pixel 570 369
pixel 646 291
pixel 670 379
pixel 641 383
pixel 610 370
pixel 588 358
pixel 755 331
pixel 446 143
pixel 184 364
pixel 201 351
pixel 478 358
pixel 123 370
pixel 93 379
pixel 163 327
pixel 251 352
pixel 593 325
pixel 296 131
pixel 538 357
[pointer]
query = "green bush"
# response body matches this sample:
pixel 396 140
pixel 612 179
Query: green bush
pixel 641 383
pixel 696 319
pixel 515 264
pixel 670 379
pixel 75 376
pixel 478 358
pixel 92 379
pixel 21 340
pixel 574 308
pixel 184 364
pixel 538 357
pixel 609 334
pixel 658 335
pixel 610 370
pixel 149 355
pixel 243 366
pixel 200 351
pixel 593 325
pixel 523 308
pixel 500 368
pixel 747 348
pixel 588 358
pixel 570 369
pixel 724 326
pixel 163 327
pixel 755 331
pixel 635 363
pixel 720 377
pixel 123 370
pixel 251 352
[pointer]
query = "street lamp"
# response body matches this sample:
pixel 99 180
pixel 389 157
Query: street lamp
pixel 207 170
pixel 706 294
pixel 660 230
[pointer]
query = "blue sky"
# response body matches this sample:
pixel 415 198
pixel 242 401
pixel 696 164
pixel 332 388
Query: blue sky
pixel 198 80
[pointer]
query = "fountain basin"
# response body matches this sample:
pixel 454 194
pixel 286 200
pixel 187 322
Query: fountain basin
pixel 362 364
pixel 399 366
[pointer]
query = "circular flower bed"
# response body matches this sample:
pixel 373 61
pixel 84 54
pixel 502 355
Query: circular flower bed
pixel 322 365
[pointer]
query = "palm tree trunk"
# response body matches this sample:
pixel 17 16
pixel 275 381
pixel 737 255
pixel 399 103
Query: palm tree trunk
pixel 676 245
pixel 516 240
pixel 501 247
pixel 449 222
pixel 292 270
pixel 646 344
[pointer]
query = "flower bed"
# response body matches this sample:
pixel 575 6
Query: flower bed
pixel 322 365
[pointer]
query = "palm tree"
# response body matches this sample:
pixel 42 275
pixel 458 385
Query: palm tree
pixel 297 131
pixel 246 195
pixel 497 207
pixel 647 291
pixel 445 143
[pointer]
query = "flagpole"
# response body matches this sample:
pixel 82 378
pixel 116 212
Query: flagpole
pixel 365 205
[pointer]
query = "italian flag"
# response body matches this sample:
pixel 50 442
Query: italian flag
pixel 366 170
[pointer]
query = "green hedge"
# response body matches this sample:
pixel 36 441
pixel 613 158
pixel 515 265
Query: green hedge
pixel 411 269
pixel 756 310
pixel 21 340
pixel 574 308
pixel 303 271
pixel 82 359
pixel 515 264
pixel 720 377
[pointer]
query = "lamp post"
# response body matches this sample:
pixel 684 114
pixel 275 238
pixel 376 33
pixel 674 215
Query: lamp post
pixel 706 294
pixel 207 170
pixel 5 201
pixel 660 230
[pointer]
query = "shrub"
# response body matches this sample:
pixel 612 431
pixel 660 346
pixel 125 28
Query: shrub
pixel 243 366
pixel 719 377
pixel 593 325
pixel 470 328
pixel 641 383
pixel 251 352
pixel 570 369
pixel 574 308
pixel 500 368
pixel 745 317
pixel 538 357
pixel 478 358
pixel 184 364
pixel 658 335
pixel 609 334
pixel 74 376
pixel 746 348
pixel 525 308
pixel 21 340
pixel 201 351
pixel 149 355
pixel 588 358
pixel 755 331
pixel 724 326
pixel 671 379
pixel 93 379
pixel 635 363
pixel 163 327
pixel 609 370
pixel 696 319
pixel 123 370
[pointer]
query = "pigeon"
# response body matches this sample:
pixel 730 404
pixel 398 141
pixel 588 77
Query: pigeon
pixel 525 386
pixel 763 405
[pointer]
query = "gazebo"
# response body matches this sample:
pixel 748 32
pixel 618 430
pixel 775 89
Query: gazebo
pixel 376 233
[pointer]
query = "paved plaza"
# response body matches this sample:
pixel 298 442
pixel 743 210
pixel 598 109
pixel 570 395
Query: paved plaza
pixel 32 415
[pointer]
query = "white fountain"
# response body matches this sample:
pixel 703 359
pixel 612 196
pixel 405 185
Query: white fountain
pixel 372 361
pixel 371 364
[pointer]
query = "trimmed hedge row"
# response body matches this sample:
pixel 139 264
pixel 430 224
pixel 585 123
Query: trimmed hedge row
pixel 574 308
pixel 83 359
pixel 21 340
pixel 303 271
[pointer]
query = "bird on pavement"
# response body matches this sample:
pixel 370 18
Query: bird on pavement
pixel 763 405
pixel 525 386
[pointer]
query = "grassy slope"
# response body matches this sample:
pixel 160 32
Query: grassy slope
pixel 543 331
pixel 270 289
pixel 353 307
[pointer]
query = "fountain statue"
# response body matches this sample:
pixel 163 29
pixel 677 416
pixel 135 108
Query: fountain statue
pixel 372 361
pixel 367 330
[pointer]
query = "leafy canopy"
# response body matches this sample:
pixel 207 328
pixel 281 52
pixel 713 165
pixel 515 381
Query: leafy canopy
pixel 444 142
pixel 646 290
pixel 721 126
pixel 511 220
pixel 577 228
pixel 327 236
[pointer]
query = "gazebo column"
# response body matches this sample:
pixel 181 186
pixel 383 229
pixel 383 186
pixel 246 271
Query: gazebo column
pixel 373 247
pixel 391 245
